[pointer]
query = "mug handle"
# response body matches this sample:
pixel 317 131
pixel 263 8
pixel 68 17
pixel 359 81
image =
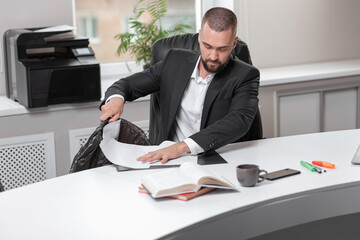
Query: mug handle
pixel 261 178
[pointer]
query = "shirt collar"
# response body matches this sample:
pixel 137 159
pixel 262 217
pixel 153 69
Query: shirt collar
pixel 198 79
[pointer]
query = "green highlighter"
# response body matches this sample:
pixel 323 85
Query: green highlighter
pixel 308 166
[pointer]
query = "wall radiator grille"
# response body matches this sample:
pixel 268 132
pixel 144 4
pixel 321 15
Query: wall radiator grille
pixel 26 159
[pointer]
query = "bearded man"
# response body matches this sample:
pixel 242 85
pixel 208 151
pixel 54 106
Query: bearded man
pixel 207 99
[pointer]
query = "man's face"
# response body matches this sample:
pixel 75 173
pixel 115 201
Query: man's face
pixel 215 48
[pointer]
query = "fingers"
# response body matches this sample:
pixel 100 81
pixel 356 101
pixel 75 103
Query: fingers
pixel 105 113
pixel 112 109
pixel 114 118
pixel 165 154
pixel 153 156
pixel 164 160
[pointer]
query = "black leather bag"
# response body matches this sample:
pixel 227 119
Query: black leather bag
pixel 90 154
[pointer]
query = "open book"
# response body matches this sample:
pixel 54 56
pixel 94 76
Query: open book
pixel 189 177
pixel 183 196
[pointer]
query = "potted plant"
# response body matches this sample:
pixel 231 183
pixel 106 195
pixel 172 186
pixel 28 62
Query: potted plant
pixel 146 33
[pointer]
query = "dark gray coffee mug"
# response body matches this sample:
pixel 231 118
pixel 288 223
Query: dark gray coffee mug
pixel 249 175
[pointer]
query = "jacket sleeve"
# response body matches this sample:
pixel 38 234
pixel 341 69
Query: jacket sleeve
pixel 137 85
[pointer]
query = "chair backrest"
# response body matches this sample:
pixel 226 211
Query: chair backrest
pixel 190 41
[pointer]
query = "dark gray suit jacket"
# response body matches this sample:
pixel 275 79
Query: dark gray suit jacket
pixel 230 103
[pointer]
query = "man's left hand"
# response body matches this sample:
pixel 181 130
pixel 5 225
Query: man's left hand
pixel 165 154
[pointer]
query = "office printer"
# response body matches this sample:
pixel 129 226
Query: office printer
pixel 50 67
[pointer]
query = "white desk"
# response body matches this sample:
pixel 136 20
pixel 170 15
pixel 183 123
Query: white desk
pixel 104 204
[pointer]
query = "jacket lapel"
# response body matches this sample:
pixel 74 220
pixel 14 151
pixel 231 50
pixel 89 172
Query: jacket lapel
pixel 216 84
pixel 210 96
pixel 180 84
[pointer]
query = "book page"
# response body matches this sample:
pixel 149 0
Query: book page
pixel 167 182
pixel 194 171
pixel 202 176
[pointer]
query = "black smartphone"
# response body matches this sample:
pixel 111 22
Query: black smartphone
pixel 280 174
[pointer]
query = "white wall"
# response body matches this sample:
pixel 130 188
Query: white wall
pixel 288 32
pixel 207 4
pixel 278 32
pixel 26 14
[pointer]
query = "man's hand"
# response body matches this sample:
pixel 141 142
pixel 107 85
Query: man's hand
pixel 113 109
pixel 165 154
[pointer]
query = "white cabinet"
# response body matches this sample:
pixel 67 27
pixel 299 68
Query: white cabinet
pixel 299 114
pixel 318 111
pixel 340 109
pixel 311 106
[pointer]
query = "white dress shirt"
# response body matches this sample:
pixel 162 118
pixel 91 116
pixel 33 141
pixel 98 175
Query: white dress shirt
pixel 188 117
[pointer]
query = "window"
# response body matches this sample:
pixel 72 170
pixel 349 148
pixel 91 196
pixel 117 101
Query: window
pixel 88 26
pixel 101 20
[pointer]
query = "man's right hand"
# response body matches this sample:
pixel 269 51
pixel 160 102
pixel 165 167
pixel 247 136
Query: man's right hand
pixel 113 109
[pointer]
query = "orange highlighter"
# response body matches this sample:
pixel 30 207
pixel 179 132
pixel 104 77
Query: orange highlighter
pixel 323 164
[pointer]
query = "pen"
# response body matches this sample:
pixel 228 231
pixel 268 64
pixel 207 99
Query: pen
pixel 318 169
pixel 308 166
pixel 323 164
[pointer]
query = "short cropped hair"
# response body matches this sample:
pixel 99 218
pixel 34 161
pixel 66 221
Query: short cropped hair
pixel 220 19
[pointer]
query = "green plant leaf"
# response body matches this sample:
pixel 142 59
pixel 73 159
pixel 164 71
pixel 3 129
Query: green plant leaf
pixel 139 43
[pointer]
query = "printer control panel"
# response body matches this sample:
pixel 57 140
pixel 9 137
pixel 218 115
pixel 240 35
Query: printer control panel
pixel 84 51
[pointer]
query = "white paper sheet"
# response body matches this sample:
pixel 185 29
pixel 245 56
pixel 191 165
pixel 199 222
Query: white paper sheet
pixel 59 28
pixel 124 154
pixel 356 158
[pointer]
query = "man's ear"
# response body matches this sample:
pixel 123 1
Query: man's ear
pixel 199 36
pixel 235 41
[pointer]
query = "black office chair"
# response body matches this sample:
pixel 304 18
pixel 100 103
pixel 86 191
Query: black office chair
pixel 190 41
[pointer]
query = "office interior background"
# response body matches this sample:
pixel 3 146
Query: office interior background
pixel 286 38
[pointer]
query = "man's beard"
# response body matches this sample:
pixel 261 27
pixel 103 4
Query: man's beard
pixel 214 69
